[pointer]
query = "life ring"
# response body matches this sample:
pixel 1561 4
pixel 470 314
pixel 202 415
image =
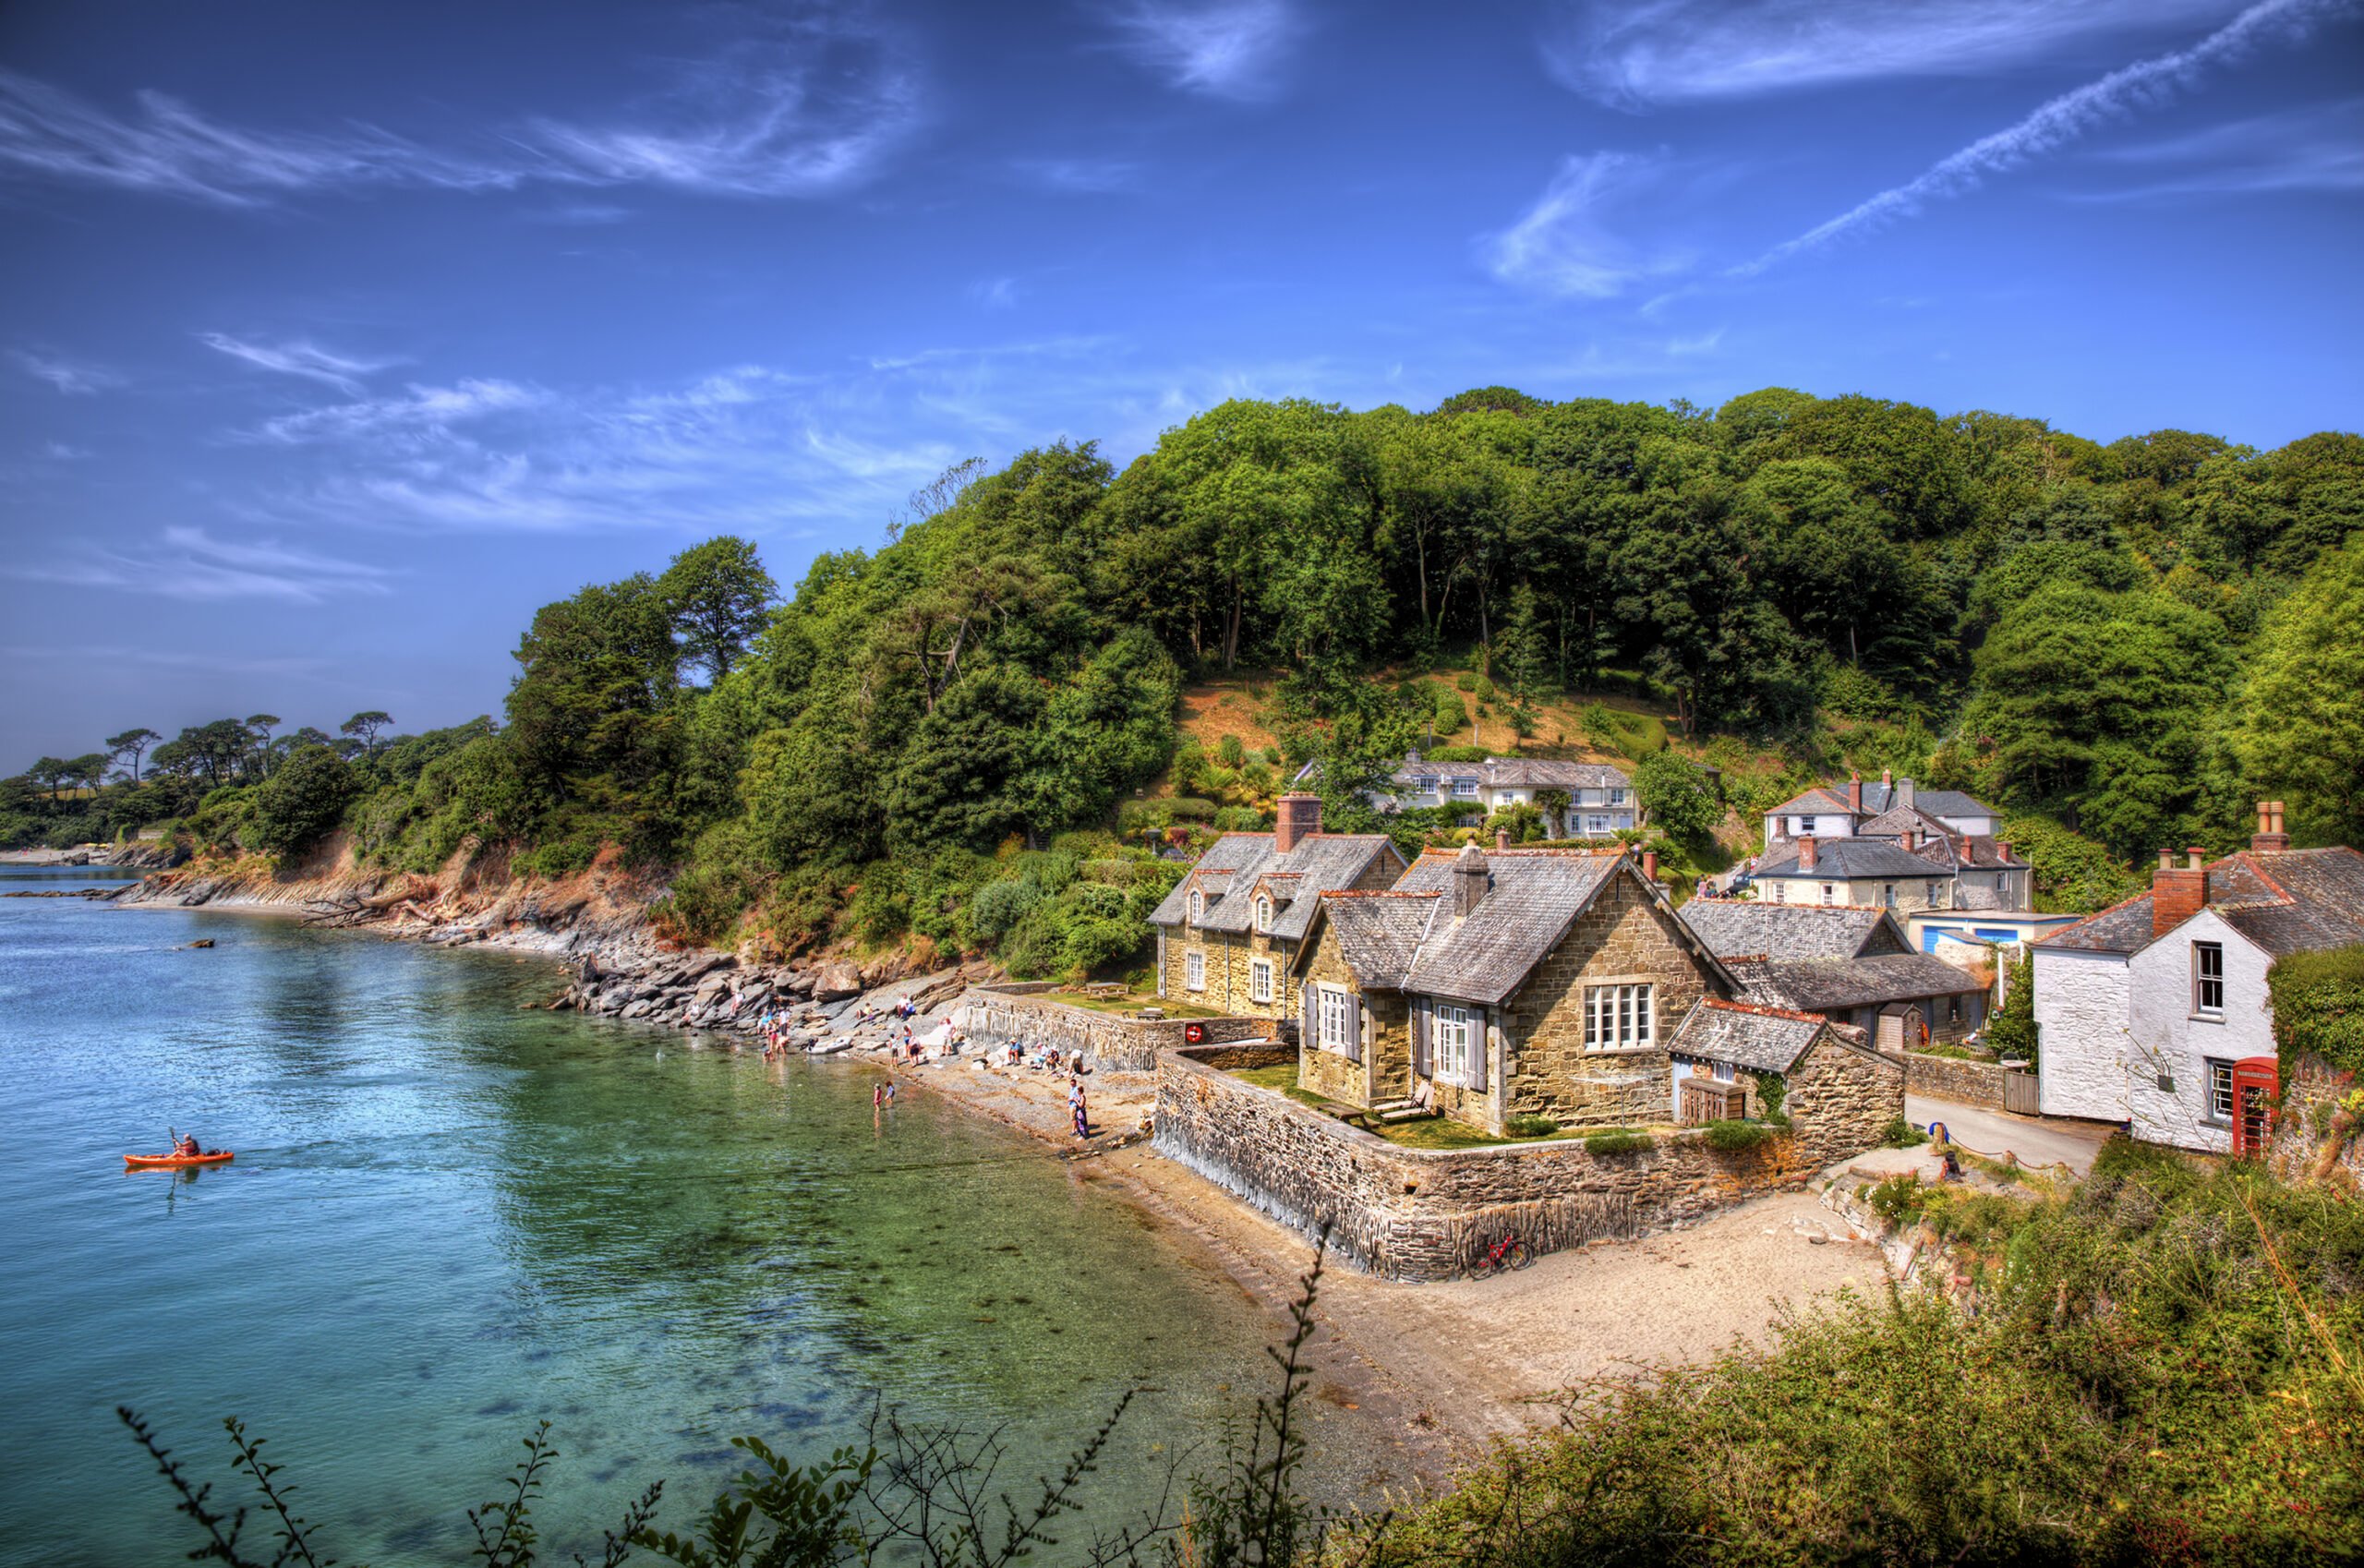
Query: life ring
pixel 1194 1033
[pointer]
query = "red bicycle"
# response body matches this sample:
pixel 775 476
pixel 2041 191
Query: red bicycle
pixel 1508 1254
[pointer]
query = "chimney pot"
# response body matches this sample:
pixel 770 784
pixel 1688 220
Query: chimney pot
pixel 2166 860
pixel 2191 858
pixel 2269 838
pixel 1300 817
pixel 1806 852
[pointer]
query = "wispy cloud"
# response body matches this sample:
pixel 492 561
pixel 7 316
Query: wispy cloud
pixel 1639 52
pixel 1565 244
pixel 2316 147
pixel 994 293
pixel 74 378
pixel 2063 119
pixel 421 411
pixel 1083 177
pixel 815 106
pixel 1222 49
pixel 66 453
pixel 309 361
pixel 192 564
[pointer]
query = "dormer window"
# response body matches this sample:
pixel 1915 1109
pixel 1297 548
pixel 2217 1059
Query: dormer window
pixel 1198 906
pixel 1263 913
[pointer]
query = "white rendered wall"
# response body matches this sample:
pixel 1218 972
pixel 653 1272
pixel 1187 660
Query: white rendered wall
pixel 2081 1013
pixel 2168 1038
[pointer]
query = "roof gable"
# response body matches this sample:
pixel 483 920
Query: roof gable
pixel 1236 864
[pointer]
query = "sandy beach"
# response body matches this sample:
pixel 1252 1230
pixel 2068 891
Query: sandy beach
pixel 1450 1366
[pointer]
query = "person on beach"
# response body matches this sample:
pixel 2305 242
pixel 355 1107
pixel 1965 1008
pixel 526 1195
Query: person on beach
pixel 890 1091
pixel 1076 1106
pixel 877 1096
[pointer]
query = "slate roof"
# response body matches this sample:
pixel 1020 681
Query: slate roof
pixel 1379 933
pixel 1733 928
pixel 1758 1038
pixel 1847 860
pixel 1822 985
pixel 2285 901
pixel 1528 773
pixel 1321 862
pixel 1880 798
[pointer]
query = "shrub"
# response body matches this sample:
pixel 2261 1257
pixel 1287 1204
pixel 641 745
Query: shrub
pixel 2013 1032
pixel 2319 1008
pixel 1734 1138
pixel 1617 1140
pixel 1458 753
pixel 998 907
pixel 1531 1126
pixel 1902 1134
pixel 1229 751
pixel 1190 808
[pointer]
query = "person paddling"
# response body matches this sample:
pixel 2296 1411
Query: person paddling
pixel 183 1146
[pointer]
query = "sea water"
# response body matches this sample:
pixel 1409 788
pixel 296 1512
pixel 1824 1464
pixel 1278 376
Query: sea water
pixel 454 1214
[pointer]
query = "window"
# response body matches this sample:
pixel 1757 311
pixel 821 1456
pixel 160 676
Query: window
pixel 1953 1010
pixel 1617 1018
pixel 1596 825
pixel 2208 982
pixel 1263 914
pixel 2220 1091
pixel 1801 824
pixel 1466 787
pixel 1333 1020
pixel 1259 980
pixel 1198 906
pixel 1935 894
pixel 1194 970
pixel 1887 895
pixel 1617 796
pixel 1452 1044
pixel 1830 893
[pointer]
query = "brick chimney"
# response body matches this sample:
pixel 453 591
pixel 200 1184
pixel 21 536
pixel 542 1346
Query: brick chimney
pixel 1502 838
pixel 2269 839
pixel 2176 892
pixel 1649 865
pixel 1805 853
pixel 1887 781
pixel 1968 856
pixel 1470 880
pixel 1855 793
pixel 1300 817
pixel 1906 796
pixel 1911 839
pixel 2003 850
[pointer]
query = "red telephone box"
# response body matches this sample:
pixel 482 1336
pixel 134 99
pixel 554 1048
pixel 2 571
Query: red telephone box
pixel 2256 1082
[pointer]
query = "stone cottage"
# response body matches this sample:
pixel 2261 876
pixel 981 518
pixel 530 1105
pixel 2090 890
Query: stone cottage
pixel 1840 1093
pixel 1855 966
pixel 1229 935
pixel 1500 985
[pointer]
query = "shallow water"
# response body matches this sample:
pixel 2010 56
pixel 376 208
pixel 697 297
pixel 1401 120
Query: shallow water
pixel 450 1216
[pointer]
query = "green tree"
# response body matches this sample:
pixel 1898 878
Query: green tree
pixel 2301 716
pixel 365 728
pixel 130 746
pixel 85 772
pixel 260 725
pixel 591 711
pixel 303 803
pixel 1677 796
pixel 718 595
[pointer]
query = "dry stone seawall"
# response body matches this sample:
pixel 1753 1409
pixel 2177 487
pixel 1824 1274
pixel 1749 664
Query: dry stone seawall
pixel 997 1014
pixel 1419 1214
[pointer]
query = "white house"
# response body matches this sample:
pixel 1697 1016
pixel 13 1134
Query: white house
pixel 1601 798
pixel 2147 1012
pixel 1840 811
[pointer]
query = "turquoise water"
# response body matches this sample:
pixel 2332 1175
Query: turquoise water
pixel 450 1216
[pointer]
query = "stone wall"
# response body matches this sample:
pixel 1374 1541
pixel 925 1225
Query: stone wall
pixel 2308 1122
pixel 1425 1214
pixel 1228 955
pixel 1110 1043
pixel 1840 1101
pixel 1950 1077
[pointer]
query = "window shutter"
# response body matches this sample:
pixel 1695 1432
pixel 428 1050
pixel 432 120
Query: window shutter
pixel 1419 1026
pixel 1480 1038
pixel 1354 1027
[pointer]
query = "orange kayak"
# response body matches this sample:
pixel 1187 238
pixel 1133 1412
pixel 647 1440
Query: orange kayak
pixel 151 1162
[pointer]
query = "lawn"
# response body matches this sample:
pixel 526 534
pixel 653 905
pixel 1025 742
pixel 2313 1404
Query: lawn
pixel 1433 1132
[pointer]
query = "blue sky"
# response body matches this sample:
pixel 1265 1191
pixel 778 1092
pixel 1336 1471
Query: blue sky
pixel 334 339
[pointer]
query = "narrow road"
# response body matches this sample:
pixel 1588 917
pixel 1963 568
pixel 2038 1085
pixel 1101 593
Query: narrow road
pixel 1992 1132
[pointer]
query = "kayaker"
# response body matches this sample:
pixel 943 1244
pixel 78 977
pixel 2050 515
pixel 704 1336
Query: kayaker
pixel 185 1147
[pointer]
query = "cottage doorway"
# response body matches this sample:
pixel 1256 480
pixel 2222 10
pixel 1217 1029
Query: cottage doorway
pixel 1681 1071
